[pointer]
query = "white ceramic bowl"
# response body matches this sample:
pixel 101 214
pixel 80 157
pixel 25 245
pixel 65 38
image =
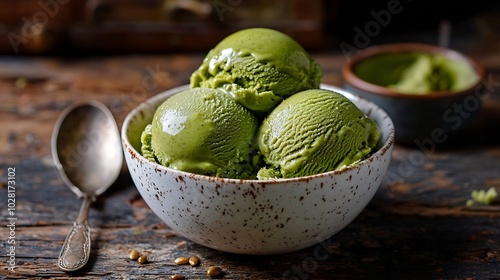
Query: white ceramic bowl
pixel 255 216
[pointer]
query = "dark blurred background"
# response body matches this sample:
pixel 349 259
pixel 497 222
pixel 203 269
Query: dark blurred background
pixel 83 27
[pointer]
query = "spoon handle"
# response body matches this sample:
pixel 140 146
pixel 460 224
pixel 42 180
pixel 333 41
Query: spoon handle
pixel 76 249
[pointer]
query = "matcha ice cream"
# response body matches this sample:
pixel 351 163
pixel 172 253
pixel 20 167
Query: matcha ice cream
pixel 258 67
pixel 417 73
pixel 216 128
pixel 314 131
pixel 203 131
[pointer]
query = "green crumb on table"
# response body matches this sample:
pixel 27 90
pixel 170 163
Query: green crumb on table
pixel 482 197
pixel 21 82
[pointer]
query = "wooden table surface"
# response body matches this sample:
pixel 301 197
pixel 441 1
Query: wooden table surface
pixel 416 227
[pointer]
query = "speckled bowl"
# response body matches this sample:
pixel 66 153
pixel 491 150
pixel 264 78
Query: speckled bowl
pixel 252 216
pixel 434 117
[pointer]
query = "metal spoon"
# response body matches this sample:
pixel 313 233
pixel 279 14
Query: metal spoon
pixel 87 152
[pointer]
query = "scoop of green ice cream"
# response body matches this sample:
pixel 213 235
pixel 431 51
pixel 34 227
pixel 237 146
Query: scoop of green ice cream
pixel 258 67
pixel 435 73
pixel 417 73
pixel 203 131
pixel 314 131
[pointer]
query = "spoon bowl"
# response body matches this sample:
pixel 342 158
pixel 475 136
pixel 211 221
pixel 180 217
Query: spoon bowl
pixel 87 153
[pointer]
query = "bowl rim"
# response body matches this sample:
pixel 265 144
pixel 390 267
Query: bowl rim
pixel 353 80
pixel 383 149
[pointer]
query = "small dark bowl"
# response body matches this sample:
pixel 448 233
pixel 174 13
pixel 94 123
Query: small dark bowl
pixel 428 119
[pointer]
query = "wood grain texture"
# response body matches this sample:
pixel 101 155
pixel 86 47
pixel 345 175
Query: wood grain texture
pixel 416 227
